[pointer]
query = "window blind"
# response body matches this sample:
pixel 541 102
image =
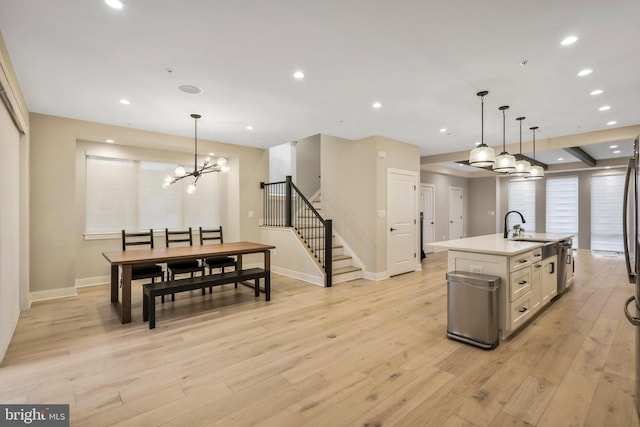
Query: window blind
pixel 562 206
pixel 128 194
pixel 607 192
pixel 522 198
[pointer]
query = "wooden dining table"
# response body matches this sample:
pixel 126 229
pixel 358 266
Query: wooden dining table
pixel 125 260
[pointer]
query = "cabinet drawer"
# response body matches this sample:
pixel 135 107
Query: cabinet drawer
pixel 519 283
pixel 520 311
pixel 536 255
pixel 520 261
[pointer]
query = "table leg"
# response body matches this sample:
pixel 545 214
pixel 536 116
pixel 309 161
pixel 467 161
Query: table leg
pixel 126 294
pixel 239 267
pixel 267 279
pixel 114 283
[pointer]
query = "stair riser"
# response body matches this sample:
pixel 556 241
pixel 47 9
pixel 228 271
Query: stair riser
pixel 339 278
pixel 342 263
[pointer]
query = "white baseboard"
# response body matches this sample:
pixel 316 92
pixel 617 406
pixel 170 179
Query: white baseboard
pixel 93 281
pixel 383 275
pixel 314 280
pixel 53 294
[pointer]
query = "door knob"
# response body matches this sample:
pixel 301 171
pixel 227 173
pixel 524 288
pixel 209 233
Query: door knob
pixel 392 229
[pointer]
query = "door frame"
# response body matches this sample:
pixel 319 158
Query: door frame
pixel 433 208
pixel 416 214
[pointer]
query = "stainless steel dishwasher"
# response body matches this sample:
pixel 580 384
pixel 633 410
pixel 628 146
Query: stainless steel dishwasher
pixel 472 308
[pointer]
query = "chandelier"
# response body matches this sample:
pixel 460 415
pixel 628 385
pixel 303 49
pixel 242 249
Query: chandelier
pixel 536 172
pixel 208 165
pixel 505 162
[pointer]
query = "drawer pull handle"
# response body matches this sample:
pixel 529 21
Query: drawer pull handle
pixel 522 261
pixel 522 309
pixel 522 282
pixel 537 255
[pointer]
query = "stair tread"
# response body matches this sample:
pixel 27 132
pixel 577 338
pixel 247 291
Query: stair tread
pixel 340 257
pixel 343 270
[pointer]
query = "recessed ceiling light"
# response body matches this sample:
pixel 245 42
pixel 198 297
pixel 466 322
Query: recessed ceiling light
pixel 249 127
pixel 613 146
pixel 616 152
pixel 191 90
pixel 298 75
pixel 560 159
pixel 604 108
pixel 596 92
pixel 377 105
pixel 585 72
pixel 116 4
pixel 443 130
pixel 110 141
pixel 569 40
pixel 612 122
pixel 125 102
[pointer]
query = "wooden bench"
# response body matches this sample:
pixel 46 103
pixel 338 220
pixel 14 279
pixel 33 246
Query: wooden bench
pixel 152 290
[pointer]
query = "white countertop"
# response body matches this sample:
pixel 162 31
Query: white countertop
pixel 496 244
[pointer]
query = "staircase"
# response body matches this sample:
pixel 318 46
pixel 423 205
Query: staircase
pixel 343 265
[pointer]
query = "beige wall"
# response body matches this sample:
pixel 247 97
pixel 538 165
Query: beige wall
pixel 57 194
pixel 354 189
pixel 441 203
pixel 482 202
pixel 308 165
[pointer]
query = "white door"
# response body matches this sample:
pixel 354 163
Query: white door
pixel 402 224
pixel 455 213
pixel 427 196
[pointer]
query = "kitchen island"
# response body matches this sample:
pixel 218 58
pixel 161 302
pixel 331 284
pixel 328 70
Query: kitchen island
pixel 528 281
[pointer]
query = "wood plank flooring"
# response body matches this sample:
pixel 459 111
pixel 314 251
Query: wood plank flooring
pixel 359 354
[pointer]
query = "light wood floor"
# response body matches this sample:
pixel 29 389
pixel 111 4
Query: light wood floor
pixel 359 354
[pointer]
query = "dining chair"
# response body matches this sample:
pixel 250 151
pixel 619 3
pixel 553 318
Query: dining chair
pixel 145 271
pixel 215 235
pixel 181 237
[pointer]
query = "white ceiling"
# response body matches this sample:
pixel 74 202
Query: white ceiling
pixel 423 60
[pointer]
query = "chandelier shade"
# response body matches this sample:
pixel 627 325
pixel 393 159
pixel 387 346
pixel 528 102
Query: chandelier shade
pixel 209 165
pixel 483 155
pixel 505 162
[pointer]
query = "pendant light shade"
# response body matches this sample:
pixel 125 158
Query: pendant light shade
pixel 522 166
pixel 505 162
pixel 536 172
pixel 482 155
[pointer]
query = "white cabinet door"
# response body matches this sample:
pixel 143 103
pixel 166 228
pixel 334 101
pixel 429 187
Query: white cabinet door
pixel 536 286
pixel 549 278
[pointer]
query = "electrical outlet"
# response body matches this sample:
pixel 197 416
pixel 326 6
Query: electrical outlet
pixel 475 268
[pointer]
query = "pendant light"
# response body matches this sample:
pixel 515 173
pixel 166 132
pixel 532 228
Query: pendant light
pixel 482 155
pixel 505 162
pixel 522 166
pixel 536 172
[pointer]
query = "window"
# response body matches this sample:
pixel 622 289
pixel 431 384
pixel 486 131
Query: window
pixel 128 194
pixel 607 192
pixel 562 206
pixel 522 198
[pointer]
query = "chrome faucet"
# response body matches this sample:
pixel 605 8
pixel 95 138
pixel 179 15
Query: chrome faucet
pixel 506 232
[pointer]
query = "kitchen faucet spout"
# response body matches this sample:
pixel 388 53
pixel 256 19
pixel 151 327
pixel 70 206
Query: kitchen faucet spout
pixel 506 232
